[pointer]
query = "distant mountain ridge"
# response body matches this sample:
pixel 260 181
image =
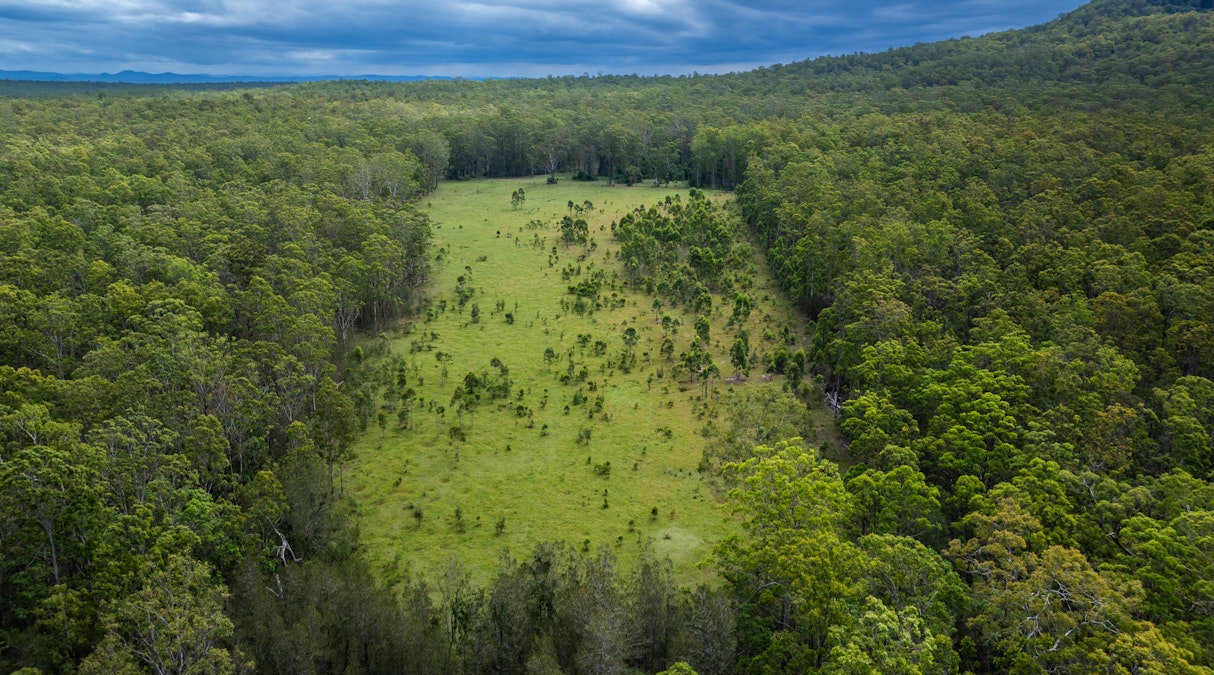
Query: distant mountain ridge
pixel 139 77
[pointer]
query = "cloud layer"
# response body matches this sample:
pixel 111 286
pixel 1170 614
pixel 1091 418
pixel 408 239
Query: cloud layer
pixel 476 38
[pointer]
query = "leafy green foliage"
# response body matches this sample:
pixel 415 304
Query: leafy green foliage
pixel 174 312
pixel 681 251
pixel 1003 244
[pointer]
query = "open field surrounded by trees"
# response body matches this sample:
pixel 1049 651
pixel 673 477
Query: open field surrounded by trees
pixel 603 445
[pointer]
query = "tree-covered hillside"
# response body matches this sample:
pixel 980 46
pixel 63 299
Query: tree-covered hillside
pixel 1004 248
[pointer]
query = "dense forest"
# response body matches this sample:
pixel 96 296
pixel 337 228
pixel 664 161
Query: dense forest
pixel 1004 245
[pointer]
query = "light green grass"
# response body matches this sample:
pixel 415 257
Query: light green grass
pixel 543 485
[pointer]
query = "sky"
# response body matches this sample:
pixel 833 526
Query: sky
pixel 485 38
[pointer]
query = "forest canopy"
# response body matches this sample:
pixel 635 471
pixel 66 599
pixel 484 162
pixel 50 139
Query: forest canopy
pixel 1004 247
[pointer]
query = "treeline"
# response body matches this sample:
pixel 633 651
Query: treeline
pixel 555 611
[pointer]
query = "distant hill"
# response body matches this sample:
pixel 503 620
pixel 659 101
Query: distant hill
pixel 1113 51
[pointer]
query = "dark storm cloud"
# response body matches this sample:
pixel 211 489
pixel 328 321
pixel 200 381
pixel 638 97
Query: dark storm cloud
pixel 519 37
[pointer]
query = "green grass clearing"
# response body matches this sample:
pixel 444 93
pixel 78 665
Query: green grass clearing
pixel 542 482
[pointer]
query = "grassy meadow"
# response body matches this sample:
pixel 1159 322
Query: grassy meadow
pixel 558 463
